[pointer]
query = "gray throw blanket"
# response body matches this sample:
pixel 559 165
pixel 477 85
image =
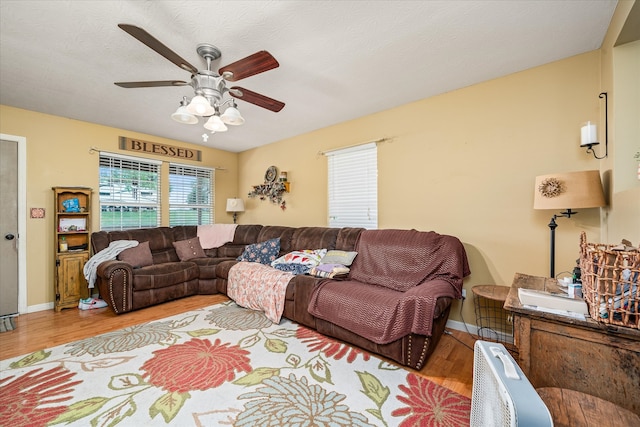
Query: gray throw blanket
pixel 107 254
pixel 394 284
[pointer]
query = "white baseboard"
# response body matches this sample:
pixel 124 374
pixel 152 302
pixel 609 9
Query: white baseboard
pixel 473 329
pixel 40 307
pixel 459 326
pixel 46 306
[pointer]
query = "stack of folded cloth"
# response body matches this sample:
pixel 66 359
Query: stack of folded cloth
pixel 329 270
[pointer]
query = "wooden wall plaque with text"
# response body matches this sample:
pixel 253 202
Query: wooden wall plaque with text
pixel 131 144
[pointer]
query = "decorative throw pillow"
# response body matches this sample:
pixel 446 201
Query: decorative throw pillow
pixel 189 249
pixel 264 252
pixel 339 257
pixel 138 256
pixel 308 257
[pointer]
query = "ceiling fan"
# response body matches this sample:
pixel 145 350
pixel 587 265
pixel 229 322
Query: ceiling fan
pixel 211 91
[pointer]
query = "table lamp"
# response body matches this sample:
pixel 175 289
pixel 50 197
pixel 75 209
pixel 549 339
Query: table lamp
pixel 235 205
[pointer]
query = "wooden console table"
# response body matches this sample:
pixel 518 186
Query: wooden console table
pixel 582 355
pixel 571 408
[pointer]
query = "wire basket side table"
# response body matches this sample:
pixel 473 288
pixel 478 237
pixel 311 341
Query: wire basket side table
pixel 493 321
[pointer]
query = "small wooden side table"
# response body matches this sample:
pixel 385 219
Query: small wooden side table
pixel 570 408
pixel 491 317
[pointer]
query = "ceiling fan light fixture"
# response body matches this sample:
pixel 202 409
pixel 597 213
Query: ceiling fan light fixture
pixel 215 124
pixel 181 115
pixel 200 106
pixel 210 87
pixel 231 116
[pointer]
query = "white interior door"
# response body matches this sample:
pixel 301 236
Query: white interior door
pixel 8 227
pixel 16 171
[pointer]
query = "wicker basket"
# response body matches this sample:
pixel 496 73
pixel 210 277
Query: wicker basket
pixel 611 283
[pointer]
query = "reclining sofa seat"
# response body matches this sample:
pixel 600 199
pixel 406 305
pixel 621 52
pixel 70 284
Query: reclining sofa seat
pixel 127 289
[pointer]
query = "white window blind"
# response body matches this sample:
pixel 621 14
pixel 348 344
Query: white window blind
pixel 191 195
pixel 129 192
pixel 353 186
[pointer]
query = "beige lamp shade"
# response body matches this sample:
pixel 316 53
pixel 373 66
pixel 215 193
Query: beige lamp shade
pixel 235 205
pixel 570 190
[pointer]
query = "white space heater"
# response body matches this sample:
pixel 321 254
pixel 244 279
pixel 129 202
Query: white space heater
pixel 502 395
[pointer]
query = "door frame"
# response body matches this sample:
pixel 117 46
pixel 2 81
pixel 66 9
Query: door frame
pixel 22 219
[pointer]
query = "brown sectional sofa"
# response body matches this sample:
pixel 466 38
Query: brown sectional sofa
pixel 126 288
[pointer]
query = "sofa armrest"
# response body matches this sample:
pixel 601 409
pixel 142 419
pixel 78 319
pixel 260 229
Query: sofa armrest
pixel 115 283
pixel 443 298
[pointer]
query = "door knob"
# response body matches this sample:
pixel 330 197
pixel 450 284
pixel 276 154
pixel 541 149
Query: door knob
pixel 9 236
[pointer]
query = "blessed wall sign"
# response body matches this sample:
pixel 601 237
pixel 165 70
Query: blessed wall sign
pixel 139 145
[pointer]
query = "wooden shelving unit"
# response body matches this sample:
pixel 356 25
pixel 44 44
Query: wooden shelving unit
pixel 72 226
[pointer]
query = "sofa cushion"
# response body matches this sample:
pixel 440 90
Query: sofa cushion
pixel 160 241
pixel 189 249
pixel 402 259
pixel 314 237
pixel 347 238
pixel 208 266
pixel 138 256
pixel 278 231
pixel 378 313
pixel 223 267
pixel 164 275
pixel 264 252
pixel 184 232
pixel 246 234
pixel 230 250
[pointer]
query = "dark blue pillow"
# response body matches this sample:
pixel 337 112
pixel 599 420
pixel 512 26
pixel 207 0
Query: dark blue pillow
pixel 263 252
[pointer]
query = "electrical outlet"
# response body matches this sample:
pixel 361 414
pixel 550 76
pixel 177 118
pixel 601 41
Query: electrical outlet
pixel 464 294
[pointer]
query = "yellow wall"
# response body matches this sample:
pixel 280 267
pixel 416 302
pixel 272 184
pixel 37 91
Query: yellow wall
pixel 58 155
pixel 620 68
pixel 623 217
pixel 462 163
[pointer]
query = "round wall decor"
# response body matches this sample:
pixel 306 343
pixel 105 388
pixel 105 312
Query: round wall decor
pixel 271 174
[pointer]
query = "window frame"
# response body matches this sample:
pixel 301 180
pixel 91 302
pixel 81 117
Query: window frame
pixel 352 186
pixel 116 183
pixel 197 172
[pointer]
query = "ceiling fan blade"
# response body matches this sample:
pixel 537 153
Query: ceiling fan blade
pixel 257 99
pixel 254 64
pixel 156 45
pixel 130 85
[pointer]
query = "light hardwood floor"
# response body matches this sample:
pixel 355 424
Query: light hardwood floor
pixel 451 364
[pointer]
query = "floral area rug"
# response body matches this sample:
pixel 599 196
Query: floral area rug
pixel 219 366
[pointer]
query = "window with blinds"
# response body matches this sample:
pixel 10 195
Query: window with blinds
pixel 129 192
pixel 353 186
pixel 191 195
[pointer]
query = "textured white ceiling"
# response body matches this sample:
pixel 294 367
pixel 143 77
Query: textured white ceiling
pixel 339 60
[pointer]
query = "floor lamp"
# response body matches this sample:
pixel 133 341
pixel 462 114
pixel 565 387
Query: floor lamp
pixel 569 190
